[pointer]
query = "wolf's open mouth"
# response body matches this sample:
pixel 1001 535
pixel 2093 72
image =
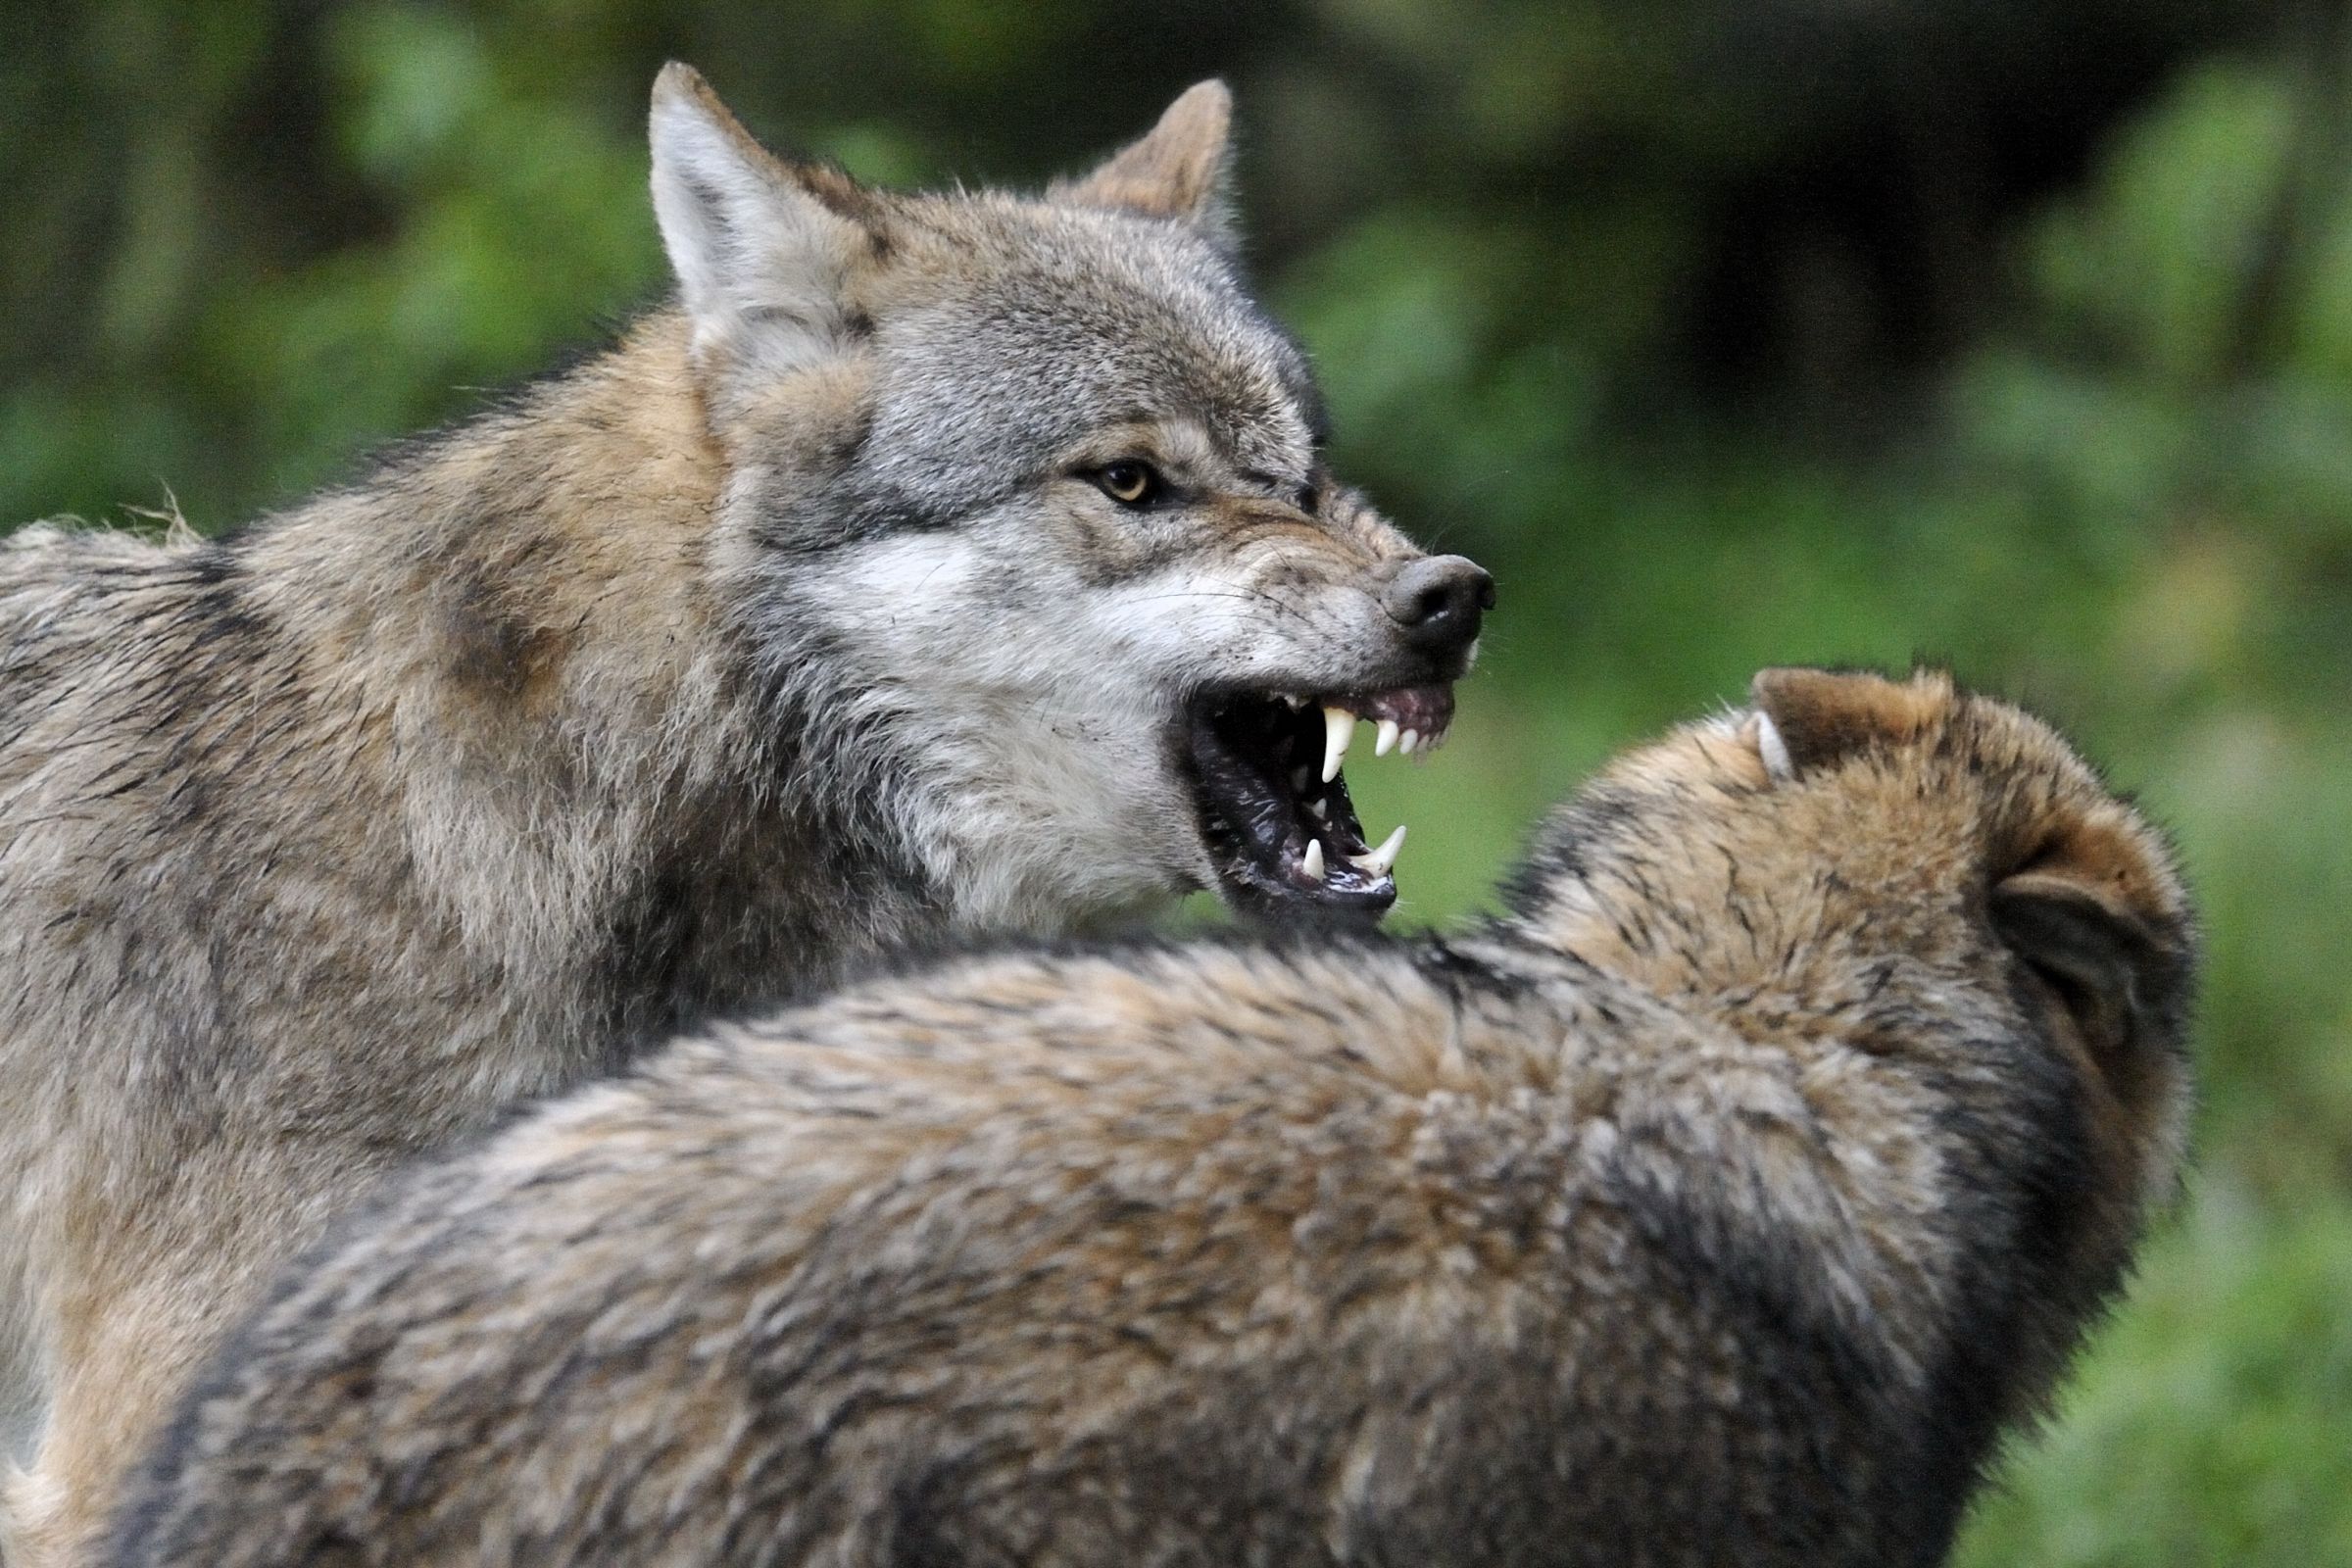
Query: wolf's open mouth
pixel 1274 808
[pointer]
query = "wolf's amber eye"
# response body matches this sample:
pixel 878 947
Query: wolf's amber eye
pixel 1129 483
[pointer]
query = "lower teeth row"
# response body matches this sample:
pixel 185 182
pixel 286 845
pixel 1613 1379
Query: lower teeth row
pixel 1338 731
pixel 1375 864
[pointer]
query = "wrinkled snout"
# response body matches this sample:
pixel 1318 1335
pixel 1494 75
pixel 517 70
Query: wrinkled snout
pixel 1438 603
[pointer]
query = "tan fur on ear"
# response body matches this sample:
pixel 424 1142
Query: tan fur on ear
pixel 2095 909
pixel 1180 168
pixel 2104 966
pixel 1822 714
pixel 2103 859
pixel 2084 908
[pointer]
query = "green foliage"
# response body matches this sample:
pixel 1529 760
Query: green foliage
pixel 2157 260
pixel 2126 496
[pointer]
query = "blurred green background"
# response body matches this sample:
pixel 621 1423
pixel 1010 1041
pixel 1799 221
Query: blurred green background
pixel 1728 332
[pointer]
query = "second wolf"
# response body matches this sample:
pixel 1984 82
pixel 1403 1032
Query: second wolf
pixel 935 566
pixel 1720 1205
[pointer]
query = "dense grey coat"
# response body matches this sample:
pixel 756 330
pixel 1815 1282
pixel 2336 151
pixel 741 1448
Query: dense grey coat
pixel 798 625
pixel 1719 1203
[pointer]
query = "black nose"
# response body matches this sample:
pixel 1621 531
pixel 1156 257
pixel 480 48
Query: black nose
pixel 1438 602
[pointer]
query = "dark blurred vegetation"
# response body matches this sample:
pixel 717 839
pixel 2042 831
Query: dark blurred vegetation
pixel 1728 332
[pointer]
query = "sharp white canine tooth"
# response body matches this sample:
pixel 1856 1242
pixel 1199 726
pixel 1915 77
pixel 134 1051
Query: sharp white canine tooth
pixel 1386 739
pixel 1311 862
pixel 1409 742
pixel 1338 728
pixel 1379 861
pixel 1318 810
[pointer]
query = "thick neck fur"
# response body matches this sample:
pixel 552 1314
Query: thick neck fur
pixel 597 771
pixel 496 686
pixel 1877 1072
pixel 1882 1238
pixel 323 843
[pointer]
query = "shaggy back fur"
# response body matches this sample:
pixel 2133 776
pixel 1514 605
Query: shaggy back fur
pixel 1719 1203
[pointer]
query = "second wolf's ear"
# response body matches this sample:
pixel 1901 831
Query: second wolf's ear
pixel 2096 910
pixel 1812 718
pixel 2107 963
pixel 763 248
pixel 1181 169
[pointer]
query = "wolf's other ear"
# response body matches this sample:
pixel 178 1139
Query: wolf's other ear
pixel 2112 969
pixel 1818 715
pixel 2098 912
pixel 1181 169
pixel 763 248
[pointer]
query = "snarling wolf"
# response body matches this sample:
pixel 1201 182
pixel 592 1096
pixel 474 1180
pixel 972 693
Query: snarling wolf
pixel 935 566
pixel 1719 1203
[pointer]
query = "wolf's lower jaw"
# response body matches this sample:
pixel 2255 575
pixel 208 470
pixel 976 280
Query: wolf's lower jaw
pixel 1274 808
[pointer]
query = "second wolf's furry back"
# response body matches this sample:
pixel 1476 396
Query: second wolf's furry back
pixel 1719 1204
pixel 937 565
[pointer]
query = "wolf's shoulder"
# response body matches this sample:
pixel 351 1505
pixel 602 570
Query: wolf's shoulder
pixel 62 579
pixel 102 630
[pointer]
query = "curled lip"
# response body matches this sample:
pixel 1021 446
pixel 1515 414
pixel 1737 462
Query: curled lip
pixel 1273 802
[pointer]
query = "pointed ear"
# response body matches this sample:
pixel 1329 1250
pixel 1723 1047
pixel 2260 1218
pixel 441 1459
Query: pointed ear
pixel 2095 954
pixel 2098 914
pixel 1818 715
pixel 764 249
pixel 1181 169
